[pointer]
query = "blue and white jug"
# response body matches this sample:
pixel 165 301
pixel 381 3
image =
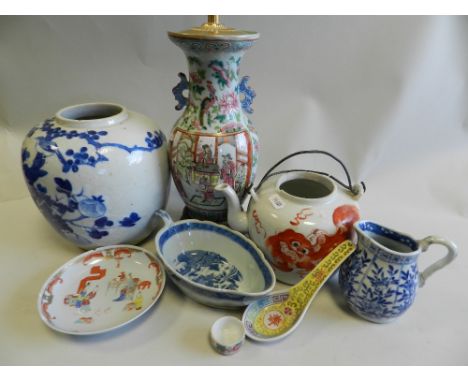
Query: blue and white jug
pixel 380 279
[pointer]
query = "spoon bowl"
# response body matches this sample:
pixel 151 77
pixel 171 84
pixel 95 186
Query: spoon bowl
pixel 277 315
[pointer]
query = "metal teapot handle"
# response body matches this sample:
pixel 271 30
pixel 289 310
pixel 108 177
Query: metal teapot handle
pixel 356 189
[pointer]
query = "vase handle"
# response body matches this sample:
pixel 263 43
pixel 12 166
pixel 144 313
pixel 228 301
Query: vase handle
pixel 448 258
pixel 248 93
pixel 177 91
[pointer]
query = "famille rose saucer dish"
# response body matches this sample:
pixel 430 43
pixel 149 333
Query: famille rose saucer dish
pixel 101 290
pixel 213 264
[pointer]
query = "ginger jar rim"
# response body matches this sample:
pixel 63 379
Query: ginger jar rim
pixel 91 115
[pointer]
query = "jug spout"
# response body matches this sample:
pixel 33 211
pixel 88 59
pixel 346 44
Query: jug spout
pixel 237 219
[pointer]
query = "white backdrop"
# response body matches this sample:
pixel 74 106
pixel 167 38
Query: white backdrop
pixel 388 95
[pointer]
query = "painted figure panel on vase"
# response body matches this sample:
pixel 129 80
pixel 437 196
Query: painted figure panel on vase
pixel 199 162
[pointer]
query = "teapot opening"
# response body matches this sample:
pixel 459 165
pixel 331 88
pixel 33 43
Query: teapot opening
pixel 91 115
pixel 308 187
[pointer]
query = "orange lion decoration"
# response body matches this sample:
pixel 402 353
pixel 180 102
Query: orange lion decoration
pixel 291 250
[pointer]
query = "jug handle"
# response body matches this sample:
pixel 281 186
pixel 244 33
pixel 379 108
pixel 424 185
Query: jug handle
pixel 448 258
pixel 178 90
pixel 357 189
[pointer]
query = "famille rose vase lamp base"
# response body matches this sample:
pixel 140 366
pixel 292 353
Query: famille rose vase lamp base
pixel 213 141
pixel 97 172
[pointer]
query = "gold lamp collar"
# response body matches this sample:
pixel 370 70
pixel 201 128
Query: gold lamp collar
pixel 214 30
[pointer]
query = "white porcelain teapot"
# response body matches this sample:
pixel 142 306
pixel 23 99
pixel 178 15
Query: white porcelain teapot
pixel 296 217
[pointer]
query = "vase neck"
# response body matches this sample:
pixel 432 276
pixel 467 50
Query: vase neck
pixel 214 79
pixel 214 98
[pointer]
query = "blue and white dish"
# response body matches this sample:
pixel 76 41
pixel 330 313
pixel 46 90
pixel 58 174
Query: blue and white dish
pixel 213 264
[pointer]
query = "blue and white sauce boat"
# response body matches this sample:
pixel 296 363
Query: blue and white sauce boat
pixel 213 264
pixel 380 279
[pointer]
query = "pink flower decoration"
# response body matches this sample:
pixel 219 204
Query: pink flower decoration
pixel 228 102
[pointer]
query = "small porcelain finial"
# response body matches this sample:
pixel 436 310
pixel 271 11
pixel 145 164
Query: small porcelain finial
pixel 358 189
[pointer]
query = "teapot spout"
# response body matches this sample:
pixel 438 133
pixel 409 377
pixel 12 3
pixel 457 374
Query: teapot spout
pixel 237 219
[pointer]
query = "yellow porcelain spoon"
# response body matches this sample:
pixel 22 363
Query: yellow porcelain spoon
pixel 277 315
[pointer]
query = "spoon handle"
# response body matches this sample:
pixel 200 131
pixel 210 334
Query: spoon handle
pixel 301 293
pixel 272 321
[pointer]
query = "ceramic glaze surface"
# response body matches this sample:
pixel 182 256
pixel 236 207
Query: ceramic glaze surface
pixel 213 141
pixel 226 350
pixel 208 268
pixel 295 233
pixel 213 264
pixel 97 181
pixel 277 315
pixel 227 335
pixel 381 278
pixel 101 290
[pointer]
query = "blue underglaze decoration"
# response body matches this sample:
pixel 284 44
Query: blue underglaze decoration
pixel 65 208
pixel 208 268
pixel 194 45
pixel 249 95
pixel 69 210
pixel 89 154
pixel 381 292
pixel 35 171
pixel 130 221
pixel 377 284
pixel 378 230
pixel 209 294
pixel 194 226
pixel 178 90
pixel 92 207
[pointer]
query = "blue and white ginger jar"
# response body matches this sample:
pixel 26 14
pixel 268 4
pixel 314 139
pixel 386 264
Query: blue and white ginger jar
pixel 97 172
